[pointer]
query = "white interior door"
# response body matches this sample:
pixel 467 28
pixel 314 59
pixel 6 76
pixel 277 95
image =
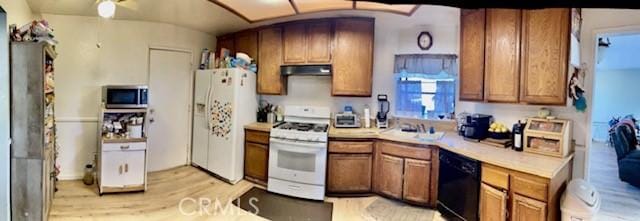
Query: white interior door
pixel 169 109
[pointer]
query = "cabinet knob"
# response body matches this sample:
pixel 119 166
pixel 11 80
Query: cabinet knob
pixel 126 168
pixel 124 147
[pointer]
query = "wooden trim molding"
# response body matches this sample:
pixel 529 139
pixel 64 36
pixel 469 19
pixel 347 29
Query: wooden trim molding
pixel 297 12
pixel 294 6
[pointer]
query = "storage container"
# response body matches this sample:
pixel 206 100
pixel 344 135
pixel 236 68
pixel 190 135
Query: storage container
pixel 580 202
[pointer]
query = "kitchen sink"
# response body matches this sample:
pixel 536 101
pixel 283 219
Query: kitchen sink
pixel 415 135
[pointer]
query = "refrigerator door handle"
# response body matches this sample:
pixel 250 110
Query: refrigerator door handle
pixel 208 107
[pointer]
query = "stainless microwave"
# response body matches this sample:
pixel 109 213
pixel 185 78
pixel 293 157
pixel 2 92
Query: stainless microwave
pixel 125 96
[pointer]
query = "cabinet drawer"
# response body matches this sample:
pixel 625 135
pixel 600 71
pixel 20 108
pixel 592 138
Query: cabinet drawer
pixel 530 186
pixel 350 147
pixel 124 146
pixel 495 176
pixel 395 149
pixel 257 136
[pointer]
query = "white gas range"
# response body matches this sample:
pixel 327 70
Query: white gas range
pixel 298 153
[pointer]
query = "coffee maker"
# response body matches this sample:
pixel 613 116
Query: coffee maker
pixel 382 121
pixel 476 127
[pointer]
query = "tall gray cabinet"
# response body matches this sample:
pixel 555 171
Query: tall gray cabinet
pixel 33 147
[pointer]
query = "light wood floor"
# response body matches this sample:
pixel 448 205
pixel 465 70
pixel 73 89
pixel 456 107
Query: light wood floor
pixel 76 201
pixel 620 201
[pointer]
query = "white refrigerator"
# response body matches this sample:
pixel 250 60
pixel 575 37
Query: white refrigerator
pixel 224 101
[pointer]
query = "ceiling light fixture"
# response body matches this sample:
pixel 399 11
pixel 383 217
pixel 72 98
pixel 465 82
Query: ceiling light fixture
pixel 107 9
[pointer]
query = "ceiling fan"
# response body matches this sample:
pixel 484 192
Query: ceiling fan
pixel 107 8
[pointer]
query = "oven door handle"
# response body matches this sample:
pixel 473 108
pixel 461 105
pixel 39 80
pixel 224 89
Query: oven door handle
pixel 313 145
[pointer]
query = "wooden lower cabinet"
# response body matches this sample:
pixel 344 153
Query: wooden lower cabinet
pixel 391 169
pixel 256 156
pixel 516 196
pixel 406 172
pixel 349 173
pixel 493 204
pixel 416 181
pixel 527 209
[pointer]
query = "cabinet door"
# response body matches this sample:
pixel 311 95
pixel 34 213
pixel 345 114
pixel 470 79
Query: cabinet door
pixel 502 55
pixel 493 204
pixel 247 42
pixel 294 43
pixel 353 57
pixel 390 178
pixel 349 173
pixel 269 80
pixel 545 43
pixel 134 167
pixel 417 181
pixel 526 209
pixel 112 169
pixel 228 42
pixel 256 158
pixel 472 22
pixel 319 42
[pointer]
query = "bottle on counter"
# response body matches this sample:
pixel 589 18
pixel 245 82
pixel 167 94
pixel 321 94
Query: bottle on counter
pixel 367 117
pixel 518 131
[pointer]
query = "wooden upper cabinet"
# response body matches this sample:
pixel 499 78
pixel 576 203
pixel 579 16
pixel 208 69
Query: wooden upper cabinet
pixel 228 42
pixel 269 80
pixel 493 204
pixel 502 55
pixel 417 181
pixel 247 42
pixel 319 40
pixel 294 42
pixel 390 181
pixel 472 37
pixel 526 209
pixel 545 54
pixel 353 57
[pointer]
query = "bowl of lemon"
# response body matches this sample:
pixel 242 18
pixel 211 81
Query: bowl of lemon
pixel 499 131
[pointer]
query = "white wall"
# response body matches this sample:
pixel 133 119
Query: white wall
pixel 614 95
pixel 82 68
pixel 600 21
pixel 389 40
pixel 18 12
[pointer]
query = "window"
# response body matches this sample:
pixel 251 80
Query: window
pixel 425 85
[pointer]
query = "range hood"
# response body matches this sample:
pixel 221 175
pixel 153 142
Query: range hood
pixel 319 70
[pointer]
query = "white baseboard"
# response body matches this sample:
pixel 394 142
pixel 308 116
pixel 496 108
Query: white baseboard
pixel 70 177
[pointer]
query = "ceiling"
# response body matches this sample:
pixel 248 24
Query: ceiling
pixel 211 16
pixel 261 10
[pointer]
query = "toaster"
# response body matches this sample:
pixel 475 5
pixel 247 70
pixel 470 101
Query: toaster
pixel 346 120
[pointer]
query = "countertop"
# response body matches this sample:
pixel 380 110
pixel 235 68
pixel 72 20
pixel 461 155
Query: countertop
pixel 264 127
pixel 540 165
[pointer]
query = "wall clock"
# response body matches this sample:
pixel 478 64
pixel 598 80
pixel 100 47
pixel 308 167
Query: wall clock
pixel 425 41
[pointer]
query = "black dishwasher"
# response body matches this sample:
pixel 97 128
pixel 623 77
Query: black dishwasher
pixel 458 187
